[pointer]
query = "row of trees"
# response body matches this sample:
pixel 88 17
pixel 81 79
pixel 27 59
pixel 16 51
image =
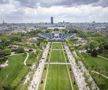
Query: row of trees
pixel 96 44
pixel 6 40
pixel 3 55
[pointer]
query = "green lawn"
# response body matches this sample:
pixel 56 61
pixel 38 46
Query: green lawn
pixel 32 59
pixel 12 75
pixel 101 81
pixel 56 46
pixel 99 64
pixel 58 78
pixel 57 56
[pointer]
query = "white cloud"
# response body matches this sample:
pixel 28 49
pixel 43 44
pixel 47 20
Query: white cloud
pixel 83 13
pixel 7 8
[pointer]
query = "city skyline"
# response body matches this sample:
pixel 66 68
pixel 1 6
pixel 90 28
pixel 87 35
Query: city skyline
pixel 33 11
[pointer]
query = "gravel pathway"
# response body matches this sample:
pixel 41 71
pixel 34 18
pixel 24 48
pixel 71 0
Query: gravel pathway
pixel 38 73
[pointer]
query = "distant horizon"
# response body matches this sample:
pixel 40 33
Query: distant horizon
pixel 48 22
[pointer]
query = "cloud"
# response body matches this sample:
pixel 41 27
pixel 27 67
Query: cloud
pixel 83 13
pixel 68 3
pixel 49 3
pixel 103 3
pixel 42 10
pixel 4 1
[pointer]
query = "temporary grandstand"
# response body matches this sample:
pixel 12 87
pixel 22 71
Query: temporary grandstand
pixel 57 36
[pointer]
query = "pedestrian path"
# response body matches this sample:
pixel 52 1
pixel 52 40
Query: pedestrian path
pixel 100 74
pixel 103 57
pixel 34 85
pixel 57 49
pixel 26 58
pixel 82 85
pixel 4 64
pixel 59 63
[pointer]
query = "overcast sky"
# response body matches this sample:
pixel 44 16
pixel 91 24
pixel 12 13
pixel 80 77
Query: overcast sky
pixel 62 10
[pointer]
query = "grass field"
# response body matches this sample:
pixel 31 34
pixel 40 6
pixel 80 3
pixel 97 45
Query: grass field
pixel 57 56
pixel 101 65
pixel 97 62
pixel 32 59
pixel 58 75
pixel 58 78
pixel 101 81
pixel 56 46
pixel 12 75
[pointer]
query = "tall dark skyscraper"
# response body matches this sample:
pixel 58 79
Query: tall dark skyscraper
pixel 52 20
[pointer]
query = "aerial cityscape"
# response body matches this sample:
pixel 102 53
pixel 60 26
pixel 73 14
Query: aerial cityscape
pixel 53 44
